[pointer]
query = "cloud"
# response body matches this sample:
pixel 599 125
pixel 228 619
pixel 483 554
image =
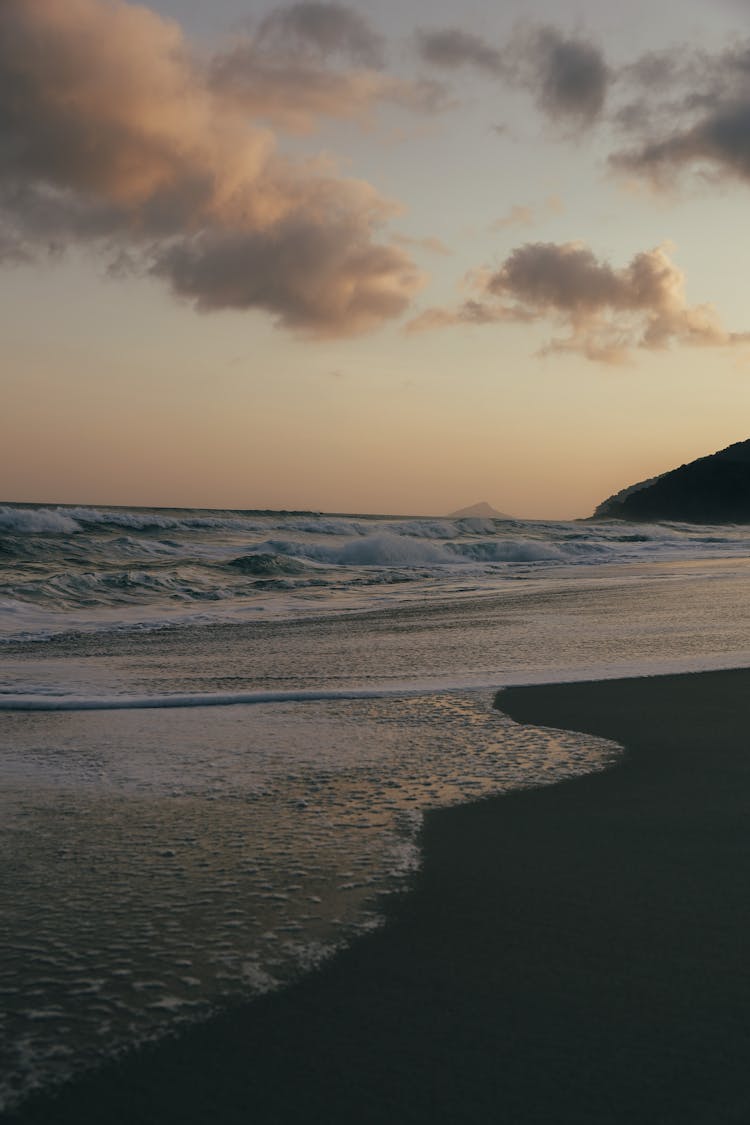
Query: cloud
pixel 519 216
pixel 690 111
pixel 431 244
pixel 604 312
pixel 293 91
pixel 522 215
pixel 324 279
pixel 720 139
pixel 567 75
pixel 12 250
pixel 113 135
pixel 325 29
pixel 453 48
pixel 290 72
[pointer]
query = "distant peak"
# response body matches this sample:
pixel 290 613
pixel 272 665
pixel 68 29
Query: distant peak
pixel 482 510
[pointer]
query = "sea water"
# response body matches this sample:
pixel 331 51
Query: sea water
pixel 219 732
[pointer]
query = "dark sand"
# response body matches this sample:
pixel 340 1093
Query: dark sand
pixel 579 953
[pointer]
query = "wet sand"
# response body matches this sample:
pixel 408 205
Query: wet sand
pixel 573 954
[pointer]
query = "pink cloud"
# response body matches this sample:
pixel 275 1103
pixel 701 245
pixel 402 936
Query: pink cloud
pixel 114 134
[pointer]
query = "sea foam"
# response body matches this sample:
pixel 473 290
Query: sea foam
pixel 74 568
pixel 37 521
pixel 188 867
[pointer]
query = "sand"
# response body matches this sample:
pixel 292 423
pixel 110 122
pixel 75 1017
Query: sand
pixel 571 954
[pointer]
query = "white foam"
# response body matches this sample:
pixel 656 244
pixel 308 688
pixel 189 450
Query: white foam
pixel 112 576
pixel 43 699
pixel 37 521
pixel 389 550
pixel 316 817
pixel 511 550
pixel 206 699
pixel 383 550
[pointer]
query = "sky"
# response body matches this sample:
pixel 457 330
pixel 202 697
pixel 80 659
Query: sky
pixel 355 258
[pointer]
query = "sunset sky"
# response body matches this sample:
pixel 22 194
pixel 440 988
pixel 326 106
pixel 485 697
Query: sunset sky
pixel 379 258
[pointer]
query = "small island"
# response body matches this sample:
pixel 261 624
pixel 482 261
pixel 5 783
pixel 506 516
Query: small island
pixel 482 510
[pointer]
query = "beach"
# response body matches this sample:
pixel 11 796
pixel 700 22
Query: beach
pixel 374 563
pixel 574 953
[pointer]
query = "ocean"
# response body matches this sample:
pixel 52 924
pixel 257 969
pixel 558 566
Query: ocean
pixel 220 732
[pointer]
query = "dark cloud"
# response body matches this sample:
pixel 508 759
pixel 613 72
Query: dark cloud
pixel 657 71
pixel 111 134
pixel 49 217
pixel 323 28
pixel 453 48
pixel 329 280
pixel 721 139
pixel 604 312
pixel 567 75
pixel 687 109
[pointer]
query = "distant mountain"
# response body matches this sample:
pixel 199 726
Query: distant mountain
pixel 714 489
pixel 482 510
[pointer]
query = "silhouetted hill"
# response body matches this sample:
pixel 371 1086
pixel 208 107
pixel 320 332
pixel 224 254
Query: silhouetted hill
pixel 714 489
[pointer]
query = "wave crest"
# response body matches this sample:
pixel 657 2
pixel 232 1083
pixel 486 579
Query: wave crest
pixel 37 521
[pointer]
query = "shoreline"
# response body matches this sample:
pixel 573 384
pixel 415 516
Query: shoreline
pixel 574 953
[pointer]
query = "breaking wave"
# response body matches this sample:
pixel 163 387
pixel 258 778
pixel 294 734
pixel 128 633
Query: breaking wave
pixel 68 568
pixel 37 521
